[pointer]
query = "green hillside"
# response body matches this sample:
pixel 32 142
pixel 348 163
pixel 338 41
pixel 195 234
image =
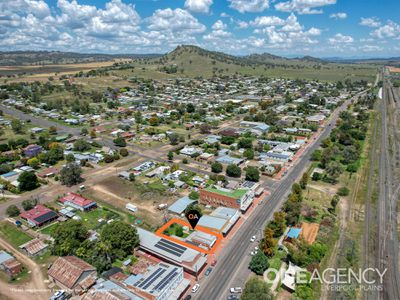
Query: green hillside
pixel 192 61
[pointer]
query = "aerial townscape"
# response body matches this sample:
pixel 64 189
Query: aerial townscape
pixel 157 150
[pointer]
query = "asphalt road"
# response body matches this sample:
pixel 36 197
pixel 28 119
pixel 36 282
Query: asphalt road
pixel 232 267
pixel 45 123
pixel 389 181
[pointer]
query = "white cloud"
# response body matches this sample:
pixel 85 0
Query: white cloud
pixel 249 5
pixel 218 31
pixel 175 20
pixel 199 6
pixel 242 24
pixel 339 39
pixel 303 6
pixel 390 30
pixel 292 24
pixel 267 21
pixel 339 15
pixel 370 48
pixel 370 22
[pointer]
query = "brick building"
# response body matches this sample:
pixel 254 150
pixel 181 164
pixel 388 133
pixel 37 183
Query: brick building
pixel 239 199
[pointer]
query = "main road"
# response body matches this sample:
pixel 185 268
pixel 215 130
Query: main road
pixel 389 187
pixel 232 267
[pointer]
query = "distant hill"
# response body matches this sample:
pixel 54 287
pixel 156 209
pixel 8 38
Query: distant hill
pixel 25 58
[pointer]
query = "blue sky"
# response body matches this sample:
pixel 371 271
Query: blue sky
pixel 322 28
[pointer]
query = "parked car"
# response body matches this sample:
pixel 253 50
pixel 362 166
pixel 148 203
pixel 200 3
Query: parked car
pixel 188 297
pixel 195 288
pixel 253 238
pixel 236 290
pixel 232 297
pixel 208 271
pixel 214 263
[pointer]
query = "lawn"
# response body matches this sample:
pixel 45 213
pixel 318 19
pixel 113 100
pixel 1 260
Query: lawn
pixel 12 234
pixel 91 218
pixel 119 263
pixel 48 229
pixel 176 230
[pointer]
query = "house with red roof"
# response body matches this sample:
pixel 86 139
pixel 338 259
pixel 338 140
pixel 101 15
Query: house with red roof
pixel 39 215
pixel 78 202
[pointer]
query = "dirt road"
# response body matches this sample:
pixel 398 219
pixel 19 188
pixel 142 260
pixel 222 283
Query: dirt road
pixel 35 289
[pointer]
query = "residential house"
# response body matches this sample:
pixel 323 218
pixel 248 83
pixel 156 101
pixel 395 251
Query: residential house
pixel 39 215
pixel 72 274
pixel 32 150
pixel 78 202
pixel 34 247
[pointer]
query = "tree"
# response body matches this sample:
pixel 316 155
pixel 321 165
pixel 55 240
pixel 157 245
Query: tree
pixel 190 108
pixel 252 174
pixel 256 288
pixel 194 195
pixel 316 176
pixel 29 204
pixel 278 224
pixel 52 130
pixel 304 180
pixel 119 141
pixel 122 237
pixel 173 138
pixel 170 155
pixel 13 211
pixel 245 143
pixel 216 167
pixel 93 134
pixel 292 210
pixel 71 174
pixel 269 242
pixel 132 177
pixel 259 263
pixel 33 162
pixel 124 152
pixel 70 158
pixel 205 128
pixel 343 191
pixel 16 125
pixel 334 169
pixel 248 153
pixel 28 181
pixel 233 171
pixel 81 145
pixel 68 237
pixel 154 121
pixel 334 201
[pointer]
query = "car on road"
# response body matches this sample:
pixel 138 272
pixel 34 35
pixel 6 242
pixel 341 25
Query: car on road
pixel 188 297
pixel 253 238
pixel 208 271
pixel 195 288
pixel 236 290
pixel 232 297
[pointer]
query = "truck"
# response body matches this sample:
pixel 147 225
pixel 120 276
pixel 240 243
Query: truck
pixel 131 207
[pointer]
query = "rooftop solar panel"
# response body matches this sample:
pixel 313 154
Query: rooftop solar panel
pixel 170 247
pixel 166 280
pixel 46 217
pixel 173 252
pixel 172 244
pixel 152 278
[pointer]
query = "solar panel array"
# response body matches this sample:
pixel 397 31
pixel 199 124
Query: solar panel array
pixel 170 247
pixel 166 280
pixel 153 277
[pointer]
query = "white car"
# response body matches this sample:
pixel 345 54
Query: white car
pixel 253 238
pixel 195 288
pixel 256 248
pixel 236 290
